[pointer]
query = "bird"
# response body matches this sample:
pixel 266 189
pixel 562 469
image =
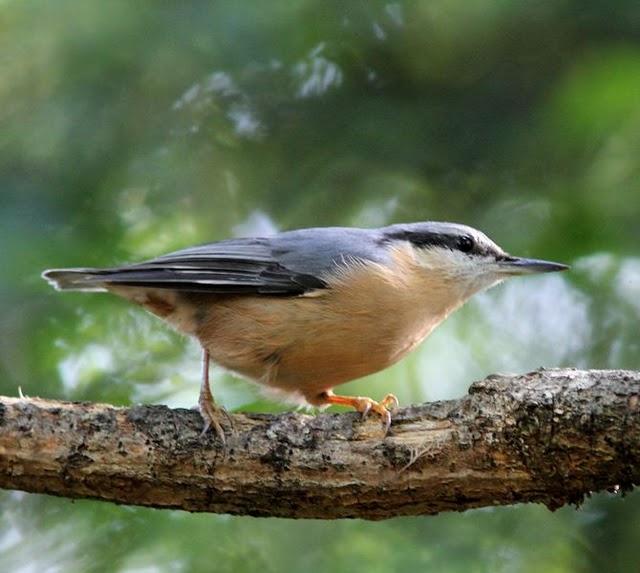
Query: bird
pixel 303 311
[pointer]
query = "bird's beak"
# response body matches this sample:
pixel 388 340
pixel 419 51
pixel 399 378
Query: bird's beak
pixel 519 266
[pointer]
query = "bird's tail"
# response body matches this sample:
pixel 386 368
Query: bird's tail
pixel 76 279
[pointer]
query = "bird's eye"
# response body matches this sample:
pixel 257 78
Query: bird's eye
pixel 465 244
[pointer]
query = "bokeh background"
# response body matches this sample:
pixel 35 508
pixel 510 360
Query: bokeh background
pixel 131 128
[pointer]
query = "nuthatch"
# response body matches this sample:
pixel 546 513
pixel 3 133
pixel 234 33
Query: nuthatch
pixel 304 311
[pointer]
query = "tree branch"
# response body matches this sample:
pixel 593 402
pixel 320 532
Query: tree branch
pixel 550 436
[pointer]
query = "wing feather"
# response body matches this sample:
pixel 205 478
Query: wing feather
pixel 289 263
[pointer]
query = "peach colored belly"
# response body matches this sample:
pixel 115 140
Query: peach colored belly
pixel 369 317
pixel 304 344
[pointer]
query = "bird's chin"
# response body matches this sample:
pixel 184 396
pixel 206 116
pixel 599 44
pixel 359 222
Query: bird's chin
pixel 482 283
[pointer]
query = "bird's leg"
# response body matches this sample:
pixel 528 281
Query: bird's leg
pixel 364 405
pixel 209 410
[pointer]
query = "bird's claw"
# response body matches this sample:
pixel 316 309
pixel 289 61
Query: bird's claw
pixel 383 408
pixel 210 411
pixel 366 409
pixel 390 401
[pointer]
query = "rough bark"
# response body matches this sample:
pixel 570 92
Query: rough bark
pixel 550 436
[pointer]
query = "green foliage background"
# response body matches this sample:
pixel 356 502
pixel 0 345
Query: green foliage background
pixel 130 128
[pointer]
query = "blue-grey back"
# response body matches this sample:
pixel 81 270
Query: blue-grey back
pixel 288 263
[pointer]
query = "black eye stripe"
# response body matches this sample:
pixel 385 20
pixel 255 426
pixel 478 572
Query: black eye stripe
pixel 463 243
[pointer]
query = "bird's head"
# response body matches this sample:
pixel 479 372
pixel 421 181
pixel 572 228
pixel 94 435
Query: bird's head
pixel 462 258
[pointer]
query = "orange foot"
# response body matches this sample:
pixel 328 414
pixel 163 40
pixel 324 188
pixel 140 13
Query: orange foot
pixel 365 405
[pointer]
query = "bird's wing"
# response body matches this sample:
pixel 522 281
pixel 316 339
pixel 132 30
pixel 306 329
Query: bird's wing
pixel 290 263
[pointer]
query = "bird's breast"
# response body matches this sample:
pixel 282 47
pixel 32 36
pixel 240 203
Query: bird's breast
pixel 368 318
